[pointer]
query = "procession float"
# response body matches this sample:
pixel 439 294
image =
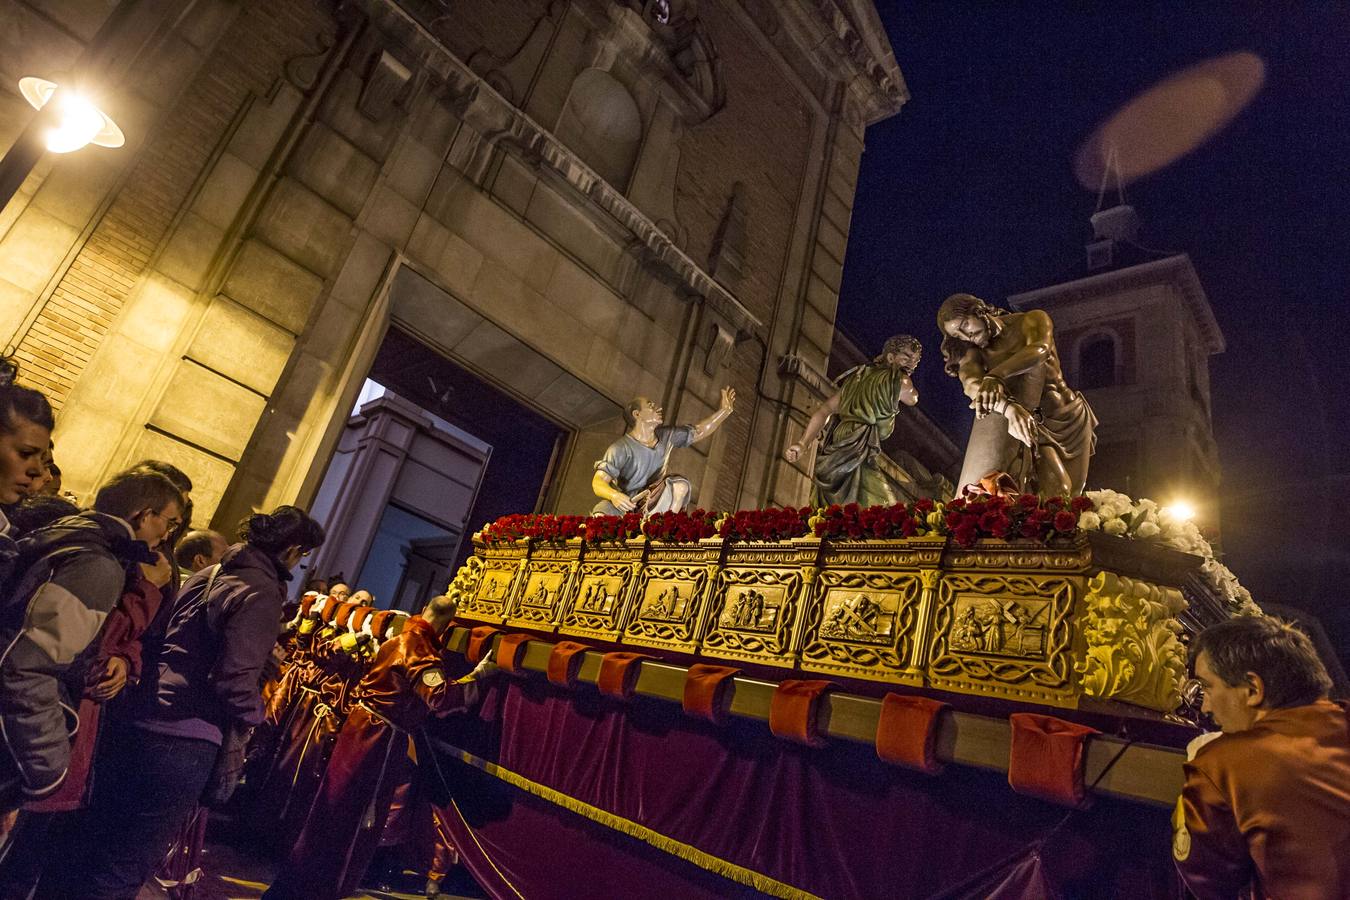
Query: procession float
pixel 972 697
pixel 1038 640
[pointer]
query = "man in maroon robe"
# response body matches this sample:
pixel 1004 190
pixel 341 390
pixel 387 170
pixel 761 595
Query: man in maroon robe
pixel 406 685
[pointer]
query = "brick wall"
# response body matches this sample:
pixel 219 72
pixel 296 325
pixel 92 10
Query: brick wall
pixel 59 343
pixel 761 138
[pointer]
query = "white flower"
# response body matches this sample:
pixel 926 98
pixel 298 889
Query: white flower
pixel 1147 530
pixel 1089 521
pixel 1114 526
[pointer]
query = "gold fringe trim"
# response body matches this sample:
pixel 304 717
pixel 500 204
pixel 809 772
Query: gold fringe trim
pixel 729 870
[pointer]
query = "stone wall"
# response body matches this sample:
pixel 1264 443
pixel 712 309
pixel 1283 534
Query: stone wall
pixel 297 183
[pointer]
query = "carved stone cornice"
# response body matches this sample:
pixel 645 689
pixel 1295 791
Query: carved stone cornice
pixel 849 38
pixel 500 123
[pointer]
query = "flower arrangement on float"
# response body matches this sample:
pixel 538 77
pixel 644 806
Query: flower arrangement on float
pixel 965 520
pixel 1144 520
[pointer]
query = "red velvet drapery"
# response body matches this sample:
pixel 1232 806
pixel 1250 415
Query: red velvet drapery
pixel 693 809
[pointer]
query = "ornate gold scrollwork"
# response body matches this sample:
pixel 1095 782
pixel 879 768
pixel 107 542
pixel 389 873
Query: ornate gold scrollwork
pixel 1004 634
pixel 490 595
pixel 1133 652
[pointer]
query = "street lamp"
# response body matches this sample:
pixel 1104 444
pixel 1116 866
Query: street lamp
pixel 78 121
pixel 66 121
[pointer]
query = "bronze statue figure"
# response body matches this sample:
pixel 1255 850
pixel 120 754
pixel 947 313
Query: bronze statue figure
pixel 1029 422
pixel 864 408
pixel 632 476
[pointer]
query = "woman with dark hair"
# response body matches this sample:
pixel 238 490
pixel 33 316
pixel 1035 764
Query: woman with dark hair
pixel 26 425
pixel 186 742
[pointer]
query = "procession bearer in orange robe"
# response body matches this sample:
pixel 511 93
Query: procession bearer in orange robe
pixel 1265 810
pixel 407 684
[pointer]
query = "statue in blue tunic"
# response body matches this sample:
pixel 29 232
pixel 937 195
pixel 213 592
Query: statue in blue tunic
pixel 632 475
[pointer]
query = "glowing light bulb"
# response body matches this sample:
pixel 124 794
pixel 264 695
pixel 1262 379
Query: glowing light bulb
pixel 79 123
pixel 1181 510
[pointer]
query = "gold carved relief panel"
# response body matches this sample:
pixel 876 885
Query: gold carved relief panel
pixel 670 598
pixel 862 624
pixel 597 606
pixel 495 589
pixel 545 585
pixel 757 595
pixel 1004 634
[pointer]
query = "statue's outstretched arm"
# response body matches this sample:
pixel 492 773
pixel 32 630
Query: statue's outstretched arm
pixel 711 424
pixel 813 427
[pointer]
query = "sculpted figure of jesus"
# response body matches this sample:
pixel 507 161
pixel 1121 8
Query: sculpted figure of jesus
pixel 1029 422
pixel 632 475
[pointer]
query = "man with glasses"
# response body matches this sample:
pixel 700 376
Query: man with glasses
pixel 71 575
pixel 1266 803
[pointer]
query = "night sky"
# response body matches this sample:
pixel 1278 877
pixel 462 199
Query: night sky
pixel 971 188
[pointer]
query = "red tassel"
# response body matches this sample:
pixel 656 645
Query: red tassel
pixel 511 652
pixel 793 710
pixel 907 732
pixel 1046 759
pixel 480 641
pixel 619 673
pixel 564 662
pixel 704 688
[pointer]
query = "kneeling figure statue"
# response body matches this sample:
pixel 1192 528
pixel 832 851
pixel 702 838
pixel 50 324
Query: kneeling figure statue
pixel 632 476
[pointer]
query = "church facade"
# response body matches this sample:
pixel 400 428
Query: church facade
pixel 574 201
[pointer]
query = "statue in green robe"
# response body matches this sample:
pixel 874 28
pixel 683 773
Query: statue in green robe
pixel 863 415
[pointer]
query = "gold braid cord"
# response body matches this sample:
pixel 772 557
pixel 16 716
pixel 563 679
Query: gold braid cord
pixel 729 870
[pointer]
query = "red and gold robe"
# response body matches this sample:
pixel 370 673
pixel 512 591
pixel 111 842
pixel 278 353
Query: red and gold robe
pixel 406 684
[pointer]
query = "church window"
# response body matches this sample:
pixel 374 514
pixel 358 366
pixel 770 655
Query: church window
pixel 1097 362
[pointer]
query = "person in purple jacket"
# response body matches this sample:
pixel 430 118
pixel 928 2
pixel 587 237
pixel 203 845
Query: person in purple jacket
pixel 185 744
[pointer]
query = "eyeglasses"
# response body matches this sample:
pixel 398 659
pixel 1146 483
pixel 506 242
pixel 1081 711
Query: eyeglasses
pixel 1193 692
pixel 173 522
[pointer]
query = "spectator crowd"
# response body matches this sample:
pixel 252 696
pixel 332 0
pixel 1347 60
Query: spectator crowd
pixel 139 656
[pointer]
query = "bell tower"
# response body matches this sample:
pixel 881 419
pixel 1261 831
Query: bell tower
pixel 1135 334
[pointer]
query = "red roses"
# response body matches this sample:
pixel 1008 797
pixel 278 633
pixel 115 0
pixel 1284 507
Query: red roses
pixel 680 528
pixel 772 524
pixel 1021 517
pixel 966 520
pixel 852 522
